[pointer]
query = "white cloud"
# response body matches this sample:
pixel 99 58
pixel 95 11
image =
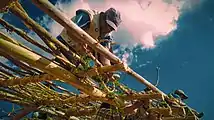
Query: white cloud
pixel 143 20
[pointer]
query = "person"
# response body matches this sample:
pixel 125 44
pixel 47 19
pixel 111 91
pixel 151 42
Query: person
pixel 98 25
pixel 180 94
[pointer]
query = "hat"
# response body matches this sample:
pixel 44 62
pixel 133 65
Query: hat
pixel 113 18
pixel 181 94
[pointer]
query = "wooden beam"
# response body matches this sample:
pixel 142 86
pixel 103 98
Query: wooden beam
pixel 102 70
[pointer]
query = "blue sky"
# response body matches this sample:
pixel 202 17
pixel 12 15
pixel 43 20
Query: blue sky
pixel 185 58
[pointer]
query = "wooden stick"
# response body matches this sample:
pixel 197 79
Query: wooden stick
pixel 24 112
pixel 13 70
pixel 6 73
pixel 142 96
pixel 24 66
pixel 24 35
pixel 5 37
pixel 102 70
pixel 32 24
pixel 26 80
pixel 46 37
pixel 82 112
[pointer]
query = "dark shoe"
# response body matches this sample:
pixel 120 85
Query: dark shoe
pixel 181 93
pixel 200 115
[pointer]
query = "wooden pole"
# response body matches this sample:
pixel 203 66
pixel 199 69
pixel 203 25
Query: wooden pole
pixel 24 112
pixel 23 35
pixel 26 80
pixel 22 65
pixel 50 41
pixel 76 32
pixel 7 73
pixel 55 70
pixel 5 37
pixel 13 70
pixel 101 70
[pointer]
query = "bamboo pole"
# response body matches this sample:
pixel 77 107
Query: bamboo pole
pixel 83 98
pixel 46 37
pixel 19 11
pixel 2 76
pixel 60 88
pixel 101 70
pixel 5 37
pixel 23 35
pixel 8 38
pixel 13 70
pixel 20 64
pixel 24 112
pixel 29 39
pixel 81 112
pixel 161 111
pixel 14 92
pixel 6 73
pixel 55 70
pixel 142 96
pixel 26 80
pixel 12 99
pixel 64 63
pixel 76 32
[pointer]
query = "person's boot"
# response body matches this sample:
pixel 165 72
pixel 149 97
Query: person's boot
pixel 181 93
